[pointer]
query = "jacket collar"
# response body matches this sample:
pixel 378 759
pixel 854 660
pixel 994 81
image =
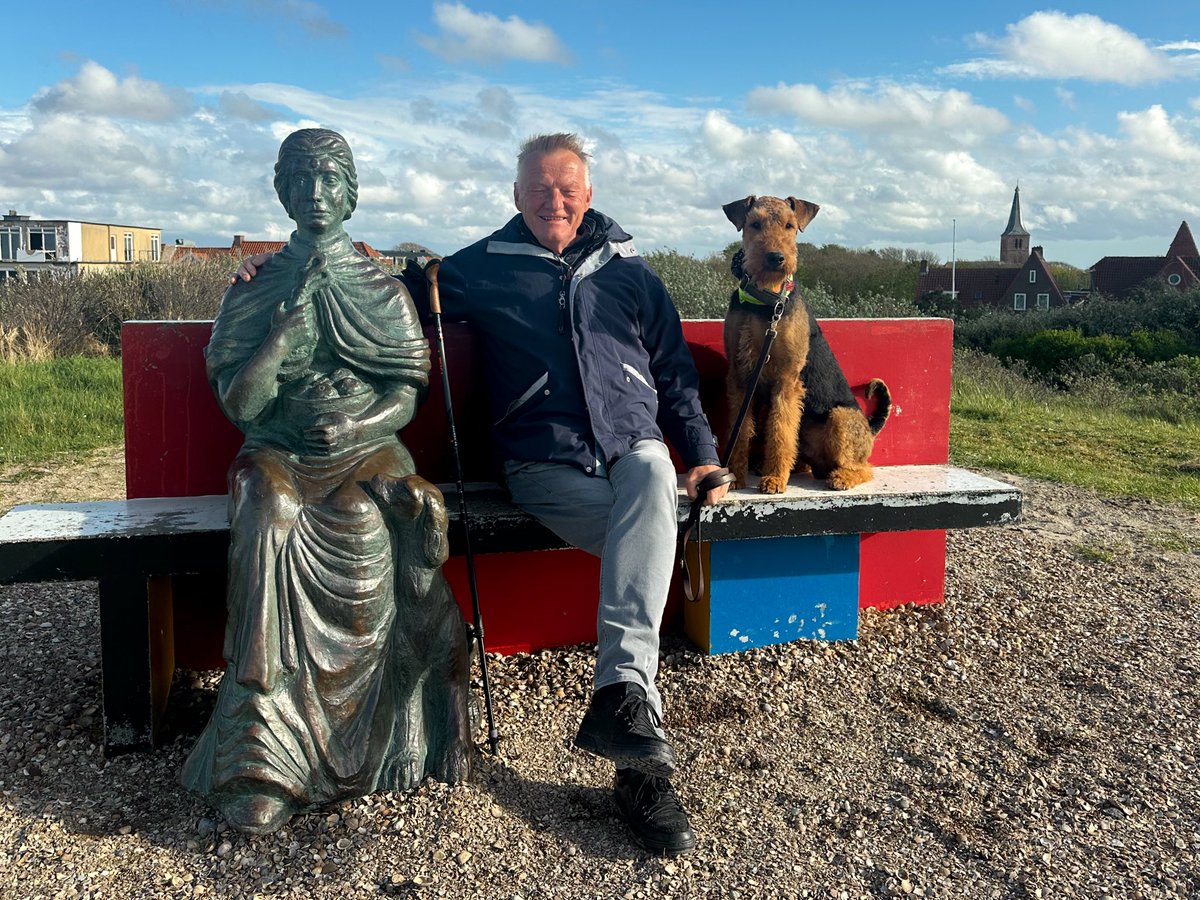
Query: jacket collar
pixel 597 230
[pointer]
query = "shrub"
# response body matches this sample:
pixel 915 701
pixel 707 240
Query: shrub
pixel 82 315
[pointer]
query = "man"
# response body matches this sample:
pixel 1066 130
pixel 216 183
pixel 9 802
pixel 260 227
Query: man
pixel 583 353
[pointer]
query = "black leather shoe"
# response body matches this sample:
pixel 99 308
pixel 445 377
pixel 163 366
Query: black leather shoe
pixel 620 725
pixel 652 809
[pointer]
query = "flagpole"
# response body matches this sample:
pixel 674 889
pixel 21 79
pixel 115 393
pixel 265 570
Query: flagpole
pixel 953 257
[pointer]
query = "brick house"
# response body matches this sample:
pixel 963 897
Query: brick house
pixel 241 248
pixel 1021 281
pixel 1116 276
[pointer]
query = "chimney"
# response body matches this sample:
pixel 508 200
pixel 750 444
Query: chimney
pixel 924 267
pixel 237 240
pixel 1040 252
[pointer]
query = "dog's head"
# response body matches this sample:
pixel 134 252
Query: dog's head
pixel 769 227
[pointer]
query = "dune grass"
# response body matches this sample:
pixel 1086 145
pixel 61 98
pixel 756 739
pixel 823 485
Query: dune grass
pixel 57 408
pixel 1002 421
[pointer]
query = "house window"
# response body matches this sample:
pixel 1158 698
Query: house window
pixel 43 240
pixel 979 295
pixel 10 243
pixel 128 246
pixel 8 274
pixel 155 250
pixel 1043 301
pixel 1033 276
pixel 1174 279
pixel 112 248
pixel 1019 302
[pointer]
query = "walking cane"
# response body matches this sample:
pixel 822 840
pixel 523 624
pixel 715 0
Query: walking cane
pixel 476 626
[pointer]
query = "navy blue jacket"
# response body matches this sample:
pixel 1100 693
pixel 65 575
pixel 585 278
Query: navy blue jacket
pixel 583 353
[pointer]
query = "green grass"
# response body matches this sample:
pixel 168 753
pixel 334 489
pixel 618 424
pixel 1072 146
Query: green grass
pixel 57 408
pixel 1002 421
pixel 999 420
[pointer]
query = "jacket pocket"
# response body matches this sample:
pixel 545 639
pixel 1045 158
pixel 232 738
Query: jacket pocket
pixel 632 372
pixel 528 394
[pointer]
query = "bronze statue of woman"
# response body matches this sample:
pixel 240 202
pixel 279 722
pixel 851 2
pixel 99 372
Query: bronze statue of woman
pixel 335 542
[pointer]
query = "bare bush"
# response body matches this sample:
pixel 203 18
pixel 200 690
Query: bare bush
pixel 82 315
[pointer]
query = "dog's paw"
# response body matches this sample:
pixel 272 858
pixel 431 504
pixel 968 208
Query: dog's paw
pixel 773 484
pixel 844 479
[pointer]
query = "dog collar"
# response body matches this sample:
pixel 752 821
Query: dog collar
pixel 752 296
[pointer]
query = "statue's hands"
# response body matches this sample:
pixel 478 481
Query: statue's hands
pixel 249 267
pixel 330 431
pixel 292 326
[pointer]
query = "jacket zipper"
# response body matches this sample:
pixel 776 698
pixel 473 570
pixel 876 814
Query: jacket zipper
pixel 562 299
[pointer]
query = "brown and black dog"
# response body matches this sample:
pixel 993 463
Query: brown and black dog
pixel 803 406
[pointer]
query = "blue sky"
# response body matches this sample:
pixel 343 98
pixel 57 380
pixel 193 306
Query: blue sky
pixel 898 119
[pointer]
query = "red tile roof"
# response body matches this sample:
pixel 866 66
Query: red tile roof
pixel 1118 275
pixel 240 248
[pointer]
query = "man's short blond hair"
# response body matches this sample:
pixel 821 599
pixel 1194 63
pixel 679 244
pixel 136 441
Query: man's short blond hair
pixel 541 144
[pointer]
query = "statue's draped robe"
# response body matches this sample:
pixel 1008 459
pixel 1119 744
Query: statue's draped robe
pixel 306 707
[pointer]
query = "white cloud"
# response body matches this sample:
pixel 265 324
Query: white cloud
pixel 1152 133
pixel 1023 103
pixel 1052 44
pixel 238 105
pixel 889 166
pixel 1065 97
pixel 888 107
pixel 468 36
pixel 97 91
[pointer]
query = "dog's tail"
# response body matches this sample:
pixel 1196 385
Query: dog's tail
pixel 883 404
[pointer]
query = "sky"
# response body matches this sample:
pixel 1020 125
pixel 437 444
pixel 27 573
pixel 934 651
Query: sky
pixel 909 124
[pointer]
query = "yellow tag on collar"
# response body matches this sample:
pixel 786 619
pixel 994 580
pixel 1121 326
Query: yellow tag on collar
pixel 743 297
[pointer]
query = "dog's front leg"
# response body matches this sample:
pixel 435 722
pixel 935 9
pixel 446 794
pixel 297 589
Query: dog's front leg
pixel 781 434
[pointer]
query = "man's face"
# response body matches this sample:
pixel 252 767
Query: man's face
pixel 317 195
pixel 552 195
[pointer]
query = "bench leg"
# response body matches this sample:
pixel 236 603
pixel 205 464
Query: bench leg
pixel 137 659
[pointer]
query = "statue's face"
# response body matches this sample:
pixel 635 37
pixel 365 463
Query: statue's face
pixel 318 198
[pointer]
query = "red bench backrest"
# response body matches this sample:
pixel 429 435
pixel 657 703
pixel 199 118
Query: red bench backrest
pixel 178 443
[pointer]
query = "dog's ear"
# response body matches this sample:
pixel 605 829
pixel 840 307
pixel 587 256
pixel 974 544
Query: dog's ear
pixel 736 211
pixel 805 211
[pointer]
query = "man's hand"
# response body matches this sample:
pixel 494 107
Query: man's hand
pixel 249 267
pixel 695 476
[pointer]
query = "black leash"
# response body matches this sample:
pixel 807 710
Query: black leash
pixel 475 627
pixel 718 477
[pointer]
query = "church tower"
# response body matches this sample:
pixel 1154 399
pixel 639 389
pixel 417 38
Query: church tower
pixel 1014 243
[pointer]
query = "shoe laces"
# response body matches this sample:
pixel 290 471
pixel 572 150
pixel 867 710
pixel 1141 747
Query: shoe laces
pixel 634 709
pixel 655 797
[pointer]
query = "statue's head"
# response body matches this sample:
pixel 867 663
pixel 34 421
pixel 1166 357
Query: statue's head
pixel 315 179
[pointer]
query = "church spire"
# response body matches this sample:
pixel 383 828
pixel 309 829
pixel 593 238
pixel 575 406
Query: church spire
pixel 1014 242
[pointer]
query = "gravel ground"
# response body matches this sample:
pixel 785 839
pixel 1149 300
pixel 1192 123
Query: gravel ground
pixel 1035 736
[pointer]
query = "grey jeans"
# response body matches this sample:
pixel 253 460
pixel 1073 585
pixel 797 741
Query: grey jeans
pixel 628 519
